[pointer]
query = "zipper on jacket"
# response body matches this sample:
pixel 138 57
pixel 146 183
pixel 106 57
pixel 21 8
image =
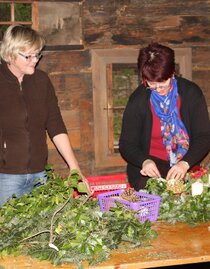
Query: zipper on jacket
pixel 26 124
pixel 21 88
pixel 3 146
pixel 4 152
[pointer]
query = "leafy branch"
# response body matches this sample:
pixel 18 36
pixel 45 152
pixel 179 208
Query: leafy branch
pixel 52 236
pixel 181 207
pixel 78 230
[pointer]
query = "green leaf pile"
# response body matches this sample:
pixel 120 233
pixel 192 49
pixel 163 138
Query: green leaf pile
pixel 183 207
pixel 50 224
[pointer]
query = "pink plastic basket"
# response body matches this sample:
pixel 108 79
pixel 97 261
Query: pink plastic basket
pixel 146 208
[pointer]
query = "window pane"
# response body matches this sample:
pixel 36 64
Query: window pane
pixel 5 12
pixel 23 12
pixel 2 30
pixel 117 122
pixel 124 82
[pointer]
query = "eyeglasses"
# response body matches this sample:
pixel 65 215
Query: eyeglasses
pixel 29 58
pixel 159 85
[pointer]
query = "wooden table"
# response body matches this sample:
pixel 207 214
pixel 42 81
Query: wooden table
pixel 176 244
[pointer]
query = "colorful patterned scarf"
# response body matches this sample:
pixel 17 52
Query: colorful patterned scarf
pixel 173 132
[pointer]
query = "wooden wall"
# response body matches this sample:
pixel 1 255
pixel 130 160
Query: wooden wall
pixel 113 24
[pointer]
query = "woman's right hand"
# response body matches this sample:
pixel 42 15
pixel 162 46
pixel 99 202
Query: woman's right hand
pixel 150 169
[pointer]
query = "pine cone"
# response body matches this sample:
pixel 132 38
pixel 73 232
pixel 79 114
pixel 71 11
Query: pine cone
pixel 130 195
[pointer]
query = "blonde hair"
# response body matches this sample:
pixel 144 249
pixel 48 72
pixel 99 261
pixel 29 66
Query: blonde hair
pixel 19 38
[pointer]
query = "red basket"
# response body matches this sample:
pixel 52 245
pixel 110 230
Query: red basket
pixel 146 208
pixel 101 184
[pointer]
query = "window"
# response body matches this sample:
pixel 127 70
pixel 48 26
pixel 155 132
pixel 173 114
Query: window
pixel 122 80
pixel 62 31
pixel 20 12
pixel 114 78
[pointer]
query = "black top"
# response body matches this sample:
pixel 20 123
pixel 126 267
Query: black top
pixel 136 131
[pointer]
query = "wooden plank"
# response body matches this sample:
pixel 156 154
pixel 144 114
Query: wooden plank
pixel 71 119
pixel 72 122
pixel 74 136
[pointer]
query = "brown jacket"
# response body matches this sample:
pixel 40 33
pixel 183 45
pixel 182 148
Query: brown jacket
pixel 27 111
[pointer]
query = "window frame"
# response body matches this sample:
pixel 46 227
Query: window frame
pixel 34 14
pixel 102 59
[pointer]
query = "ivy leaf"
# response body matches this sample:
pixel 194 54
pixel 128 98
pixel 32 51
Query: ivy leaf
pixel 81 187
pixel 182 207
pixel 77 227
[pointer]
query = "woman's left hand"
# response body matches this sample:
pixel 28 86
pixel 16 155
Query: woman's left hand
pixel 178 171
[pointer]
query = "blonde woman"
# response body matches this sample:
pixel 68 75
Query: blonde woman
pixel 28 109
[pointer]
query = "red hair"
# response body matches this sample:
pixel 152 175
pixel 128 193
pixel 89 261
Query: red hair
pixel 156 62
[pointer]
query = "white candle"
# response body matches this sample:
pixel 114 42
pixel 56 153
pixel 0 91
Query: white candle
pixel 197 188
pixel 209 181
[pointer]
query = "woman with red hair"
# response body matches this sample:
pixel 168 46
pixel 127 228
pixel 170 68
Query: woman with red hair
pixel 165 129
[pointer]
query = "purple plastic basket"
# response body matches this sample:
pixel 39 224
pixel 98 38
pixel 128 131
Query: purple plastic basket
pixel 147 208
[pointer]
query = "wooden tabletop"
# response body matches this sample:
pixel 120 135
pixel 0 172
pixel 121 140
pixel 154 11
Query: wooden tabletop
pixel 176 244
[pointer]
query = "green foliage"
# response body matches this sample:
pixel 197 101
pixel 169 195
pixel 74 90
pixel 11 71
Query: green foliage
pixel 155 186
pixel 182 207
pixel 124 227
pixel 5 12
pixel 50 224
pixel 23 12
